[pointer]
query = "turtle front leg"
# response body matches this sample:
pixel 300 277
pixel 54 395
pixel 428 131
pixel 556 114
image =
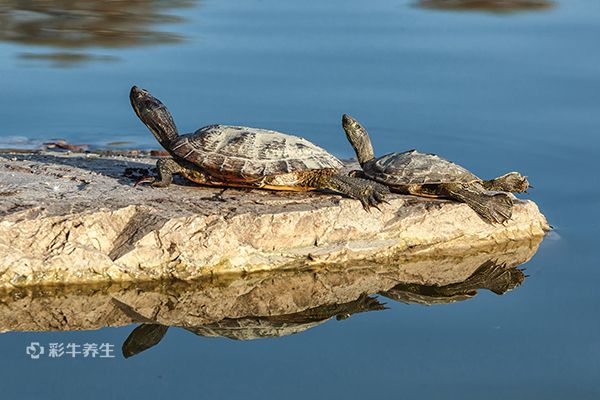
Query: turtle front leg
pixel 166 167
pixel 512 182
pixel 369 193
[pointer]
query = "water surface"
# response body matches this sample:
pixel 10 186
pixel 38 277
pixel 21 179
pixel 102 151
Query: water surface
pixel 495 90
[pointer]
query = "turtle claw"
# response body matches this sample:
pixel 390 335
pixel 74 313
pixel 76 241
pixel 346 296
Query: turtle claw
pixel 380 197
pixel 373 196
pixel 374 201
pixel 367 202
pixel 376 206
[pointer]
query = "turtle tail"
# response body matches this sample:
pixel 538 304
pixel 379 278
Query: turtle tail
pixel 492 207
pixel 155 115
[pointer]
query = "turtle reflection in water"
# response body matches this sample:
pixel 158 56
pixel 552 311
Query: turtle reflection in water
pixel 150 333
pixel 491 275
pixel 239 156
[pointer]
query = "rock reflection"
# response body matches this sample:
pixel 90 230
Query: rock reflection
pixel 501 6
pixel 65 59
pixel 74 24
pixel 491 275
pixel 148 335
pixel 263 305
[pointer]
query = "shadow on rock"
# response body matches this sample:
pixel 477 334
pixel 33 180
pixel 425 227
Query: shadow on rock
pixel 125 170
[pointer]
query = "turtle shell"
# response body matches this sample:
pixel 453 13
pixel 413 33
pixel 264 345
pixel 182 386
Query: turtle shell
pixel 414 168
pixel 237 152
pixel 252 328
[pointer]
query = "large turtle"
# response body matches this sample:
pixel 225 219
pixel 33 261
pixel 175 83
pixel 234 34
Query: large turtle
pixel 428 175
pixel 246 157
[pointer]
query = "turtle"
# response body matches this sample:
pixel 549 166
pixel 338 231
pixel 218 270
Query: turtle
pixel 429 175
pixel 238 156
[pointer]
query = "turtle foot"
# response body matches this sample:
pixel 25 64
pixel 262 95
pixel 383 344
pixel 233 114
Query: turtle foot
pixel 368 192
pixel 373 195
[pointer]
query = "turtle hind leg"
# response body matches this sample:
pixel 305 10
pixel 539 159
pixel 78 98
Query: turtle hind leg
pixel 493 276
pixel 512 182
pixel 369 193
pixel 491 207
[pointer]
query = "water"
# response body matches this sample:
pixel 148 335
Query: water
pixel 493 90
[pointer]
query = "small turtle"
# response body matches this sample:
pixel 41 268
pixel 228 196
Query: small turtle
pixel 428 175
pixel 246 157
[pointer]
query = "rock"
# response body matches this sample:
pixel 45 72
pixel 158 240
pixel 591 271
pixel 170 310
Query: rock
pixel 300 298
pixel 73 219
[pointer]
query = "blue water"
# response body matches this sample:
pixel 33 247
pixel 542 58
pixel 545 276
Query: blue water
pixel 492 91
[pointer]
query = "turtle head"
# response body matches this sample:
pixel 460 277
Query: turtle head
pixel 154 115
pixel 516 182
pixel 511 182
pixel 359 139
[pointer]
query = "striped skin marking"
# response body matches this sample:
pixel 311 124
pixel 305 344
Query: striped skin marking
pixel 183 142
pixel 188 154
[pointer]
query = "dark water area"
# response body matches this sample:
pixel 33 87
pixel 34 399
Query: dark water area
pixel 492 87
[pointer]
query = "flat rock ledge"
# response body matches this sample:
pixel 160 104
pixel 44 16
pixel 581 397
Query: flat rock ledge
pixel 77 219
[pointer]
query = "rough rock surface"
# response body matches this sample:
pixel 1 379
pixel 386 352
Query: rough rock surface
pixel 73 218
